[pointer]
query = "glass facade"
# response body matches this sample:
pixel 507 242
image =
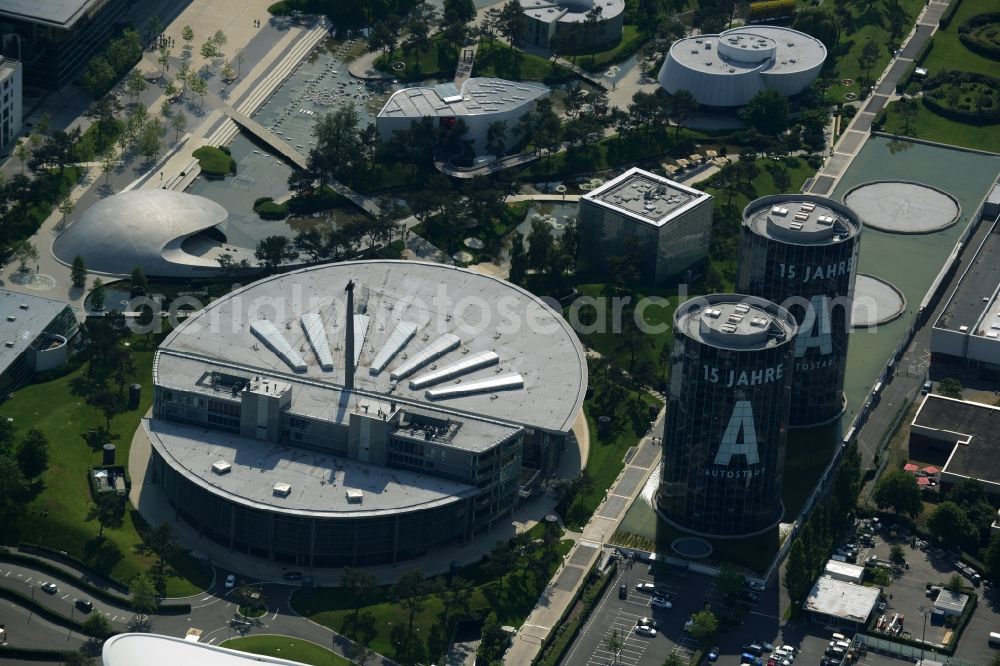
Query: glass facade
pixel 724 439
pixel 813 278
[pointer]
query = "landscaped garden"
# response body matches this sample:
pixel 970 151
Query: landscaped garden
pixel 286 647
pixel 215 162
pixel 437 59
pixel 494 58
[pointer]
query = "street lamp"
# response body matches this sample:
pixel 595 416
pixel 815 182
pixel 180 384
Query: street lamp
pixel 923 634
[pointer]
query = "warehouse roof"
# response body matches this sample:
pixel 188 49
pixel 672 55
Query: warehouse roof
pixel 846 601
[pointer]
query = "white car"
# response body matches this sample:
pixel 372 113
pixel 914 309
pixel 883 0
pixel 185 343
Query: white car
pixel 755 586
pixel 645 587
pixel 790 649
pixel 660 602
pixel 644 630
pixel 783 656
pixel 230 581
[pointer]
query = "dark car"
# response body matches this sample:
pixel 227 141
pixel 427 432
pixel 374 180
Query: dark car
pixel 293 575
pixel 85 605
pixel 663 592
pixel 623 591
pixel 754 649
pixel 713 654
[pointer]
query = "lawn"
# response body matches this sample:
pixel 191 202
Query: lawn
pixel 512 603
pixel 56 518
pixel 437 60
pixel 498 59
pixel 632 40
pixel 286 647
pixel 948 51
pixel 932 127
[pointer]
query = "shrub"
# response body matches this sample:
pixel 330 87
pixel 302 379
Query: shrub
pixel 215 162
pixel 938 89
pixel 268 210
pixel 978 41
pixel 949 14
pixel 308 204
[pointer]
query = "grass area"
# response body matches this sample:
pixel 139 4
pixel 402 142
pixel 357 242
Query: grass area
pixel 498 59
pixel 632 40
pixel 444 235
pixel 932 127
pixel 56 518
pixel 286 647
pixel 437 59
pixel 867 21
pixel 215 162
pixel 948 51
pixel 511 597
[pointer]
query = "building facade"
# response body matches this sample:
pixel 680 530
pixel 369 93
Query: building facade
pixel 309 440
pixel 801 252
pixel 729 394
pixel 563 25
pixel 10 102
pixel 36 334
pixel 54 40
pixel 660 224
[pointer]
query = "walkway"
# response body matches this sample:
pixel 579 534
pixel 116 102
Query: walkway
pixel 556 598
pixel 267 136
pixel 854 138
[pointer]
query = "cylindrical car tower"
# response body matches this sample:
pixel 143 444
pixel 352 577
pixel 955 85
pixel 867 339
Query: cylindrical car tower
pixel 800 251
pixel 724 442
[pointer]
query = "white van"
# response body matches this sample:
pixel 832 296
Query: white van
pixel 994 639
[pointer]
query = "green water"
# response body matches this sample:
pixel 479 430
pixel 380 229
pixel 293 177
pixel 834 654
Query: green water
pixel 910 262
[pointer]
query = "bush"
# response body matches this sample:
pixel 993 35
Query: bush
pixel 975 40
pixel 308 204
pixel 936 97
pixel 268 210
pixel 215 162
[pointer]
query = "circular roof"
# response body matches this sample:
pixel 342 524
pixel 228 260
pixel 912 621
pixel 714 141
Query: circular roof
pixel 143 228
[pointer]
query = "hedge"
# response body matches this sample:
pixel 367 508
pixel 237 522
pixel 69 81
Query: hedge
pixel 33 654
pixel 970 116
pixel 918 61
pixel 949 14
pixel 96 592
pixel 308 204
pixel 564 635
pixel 268 210
pixel 973 42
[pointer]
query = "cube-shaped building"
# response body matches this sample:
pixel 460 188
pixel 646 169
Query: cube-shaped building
pixel 667 223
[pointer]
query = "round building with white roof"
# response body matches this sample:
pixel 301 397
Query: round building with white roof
pixel 728 69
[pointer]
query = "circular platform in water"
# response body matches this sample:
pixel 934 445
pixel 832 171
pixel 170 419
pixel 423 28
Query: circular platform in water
pixel 876 301
pixel 902 207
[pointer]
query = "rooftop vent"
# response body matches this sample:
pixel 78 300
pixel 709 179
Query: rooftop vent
pixel 9 343
pixel 221 467
pixel 282 489
pixel 11 317
pixel 355 496
pixel 713 313
pixel 24 306
pixel 961 329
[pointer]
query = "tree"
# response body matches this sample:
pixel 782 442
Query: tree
pixel 273 251
pixel 200 87
pixel 820 23
pixel 99 76
pixel 767 112
pixel 882 577
pixel 219 39
pixel 66 207
pixel 135 85
pixel 228 72
pixel 98 294
pixel 143 593
pixel 79 658
pixel 23 153
pixel 418 24
pixel 78 273
pixel 410 591
pixel 184 75
pixel 209 50
pixel 460 10
pixel 683 105
pixel 511 21
pixel 187 34
pixel 493 642
pixel 97 627
pixel 729 581
pixel 897 490
pixel 23 252
pixel 33 454
pixel 164 60
pixel 613 643
pixel 359 584
pixel 704 624
pixel 149 139
pixel 240 57
pixel 109 402
pixel 109 511
pixel 950 525
pixel 907 109
pixel 950 388
pixel 496 138
pixel 798 578
pixel 178 122
pixel 338 145
pixel 897 555
pixel 954 583
pixel 868 57
pixel 991 558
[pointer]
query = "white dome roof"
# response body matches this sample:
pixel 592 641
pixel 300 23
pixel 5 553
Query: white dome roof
pixel 142 228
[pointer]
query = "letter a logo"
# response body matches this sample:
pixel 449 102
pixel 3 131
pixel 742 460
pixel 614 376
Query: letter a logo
pixel 815 328
pixel 740 438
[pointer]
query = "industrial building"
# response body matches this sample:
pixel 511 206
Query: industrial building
pixel 666 223
pixel 724 439
pixel 849 573
pixel 801 251
pixel 11 91
pixel 480 103
pixel 55 39
pixel 549 24
pixel 728 69
pixel 165 233
pixel 361 412
pixel 837 603
pixel 36 334
pixel 963 431
pixel 969 325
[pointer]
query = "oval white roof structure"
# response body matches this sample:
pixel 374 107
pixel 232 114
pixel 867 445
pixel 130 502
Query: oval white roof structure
pixel 157 650
pixel 728 69
pixel 146 228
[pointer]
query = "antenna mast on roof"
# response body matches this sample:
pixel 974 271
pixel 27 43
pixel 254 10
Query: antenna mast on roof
pixel 349 338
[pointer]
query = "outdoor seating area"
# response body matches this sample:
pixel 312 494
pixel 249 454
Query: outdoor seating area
pixel 927 476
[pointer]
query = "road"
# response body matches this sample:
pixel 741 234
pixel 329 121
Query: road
pixel 211 611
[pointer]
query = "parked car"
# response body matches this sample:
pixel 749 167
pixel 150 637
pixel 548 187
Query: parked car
pixel 789 649
pixel 713 654
pixel 50 588
pixel 663 592
pixel 755 649
pixel 645 587
pixel 623 591
pixel 85 605
pixel 647 622
pixel 644 630
pixel 928 385
pixel 660 602
pixel 755 586
pixel 230 581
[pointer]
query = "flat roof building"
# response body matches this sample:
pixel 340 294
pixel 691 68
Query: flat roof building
pixel 849 573
pixel 966 432
pixel 35 333
pixel 11 92
pixel 562 26
pixel 841 604
pixel 951 603
pixel 667 224
pixel 54 39
pixel 362 443
pixel 480 103
pixel 728 69
pixel 969 325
